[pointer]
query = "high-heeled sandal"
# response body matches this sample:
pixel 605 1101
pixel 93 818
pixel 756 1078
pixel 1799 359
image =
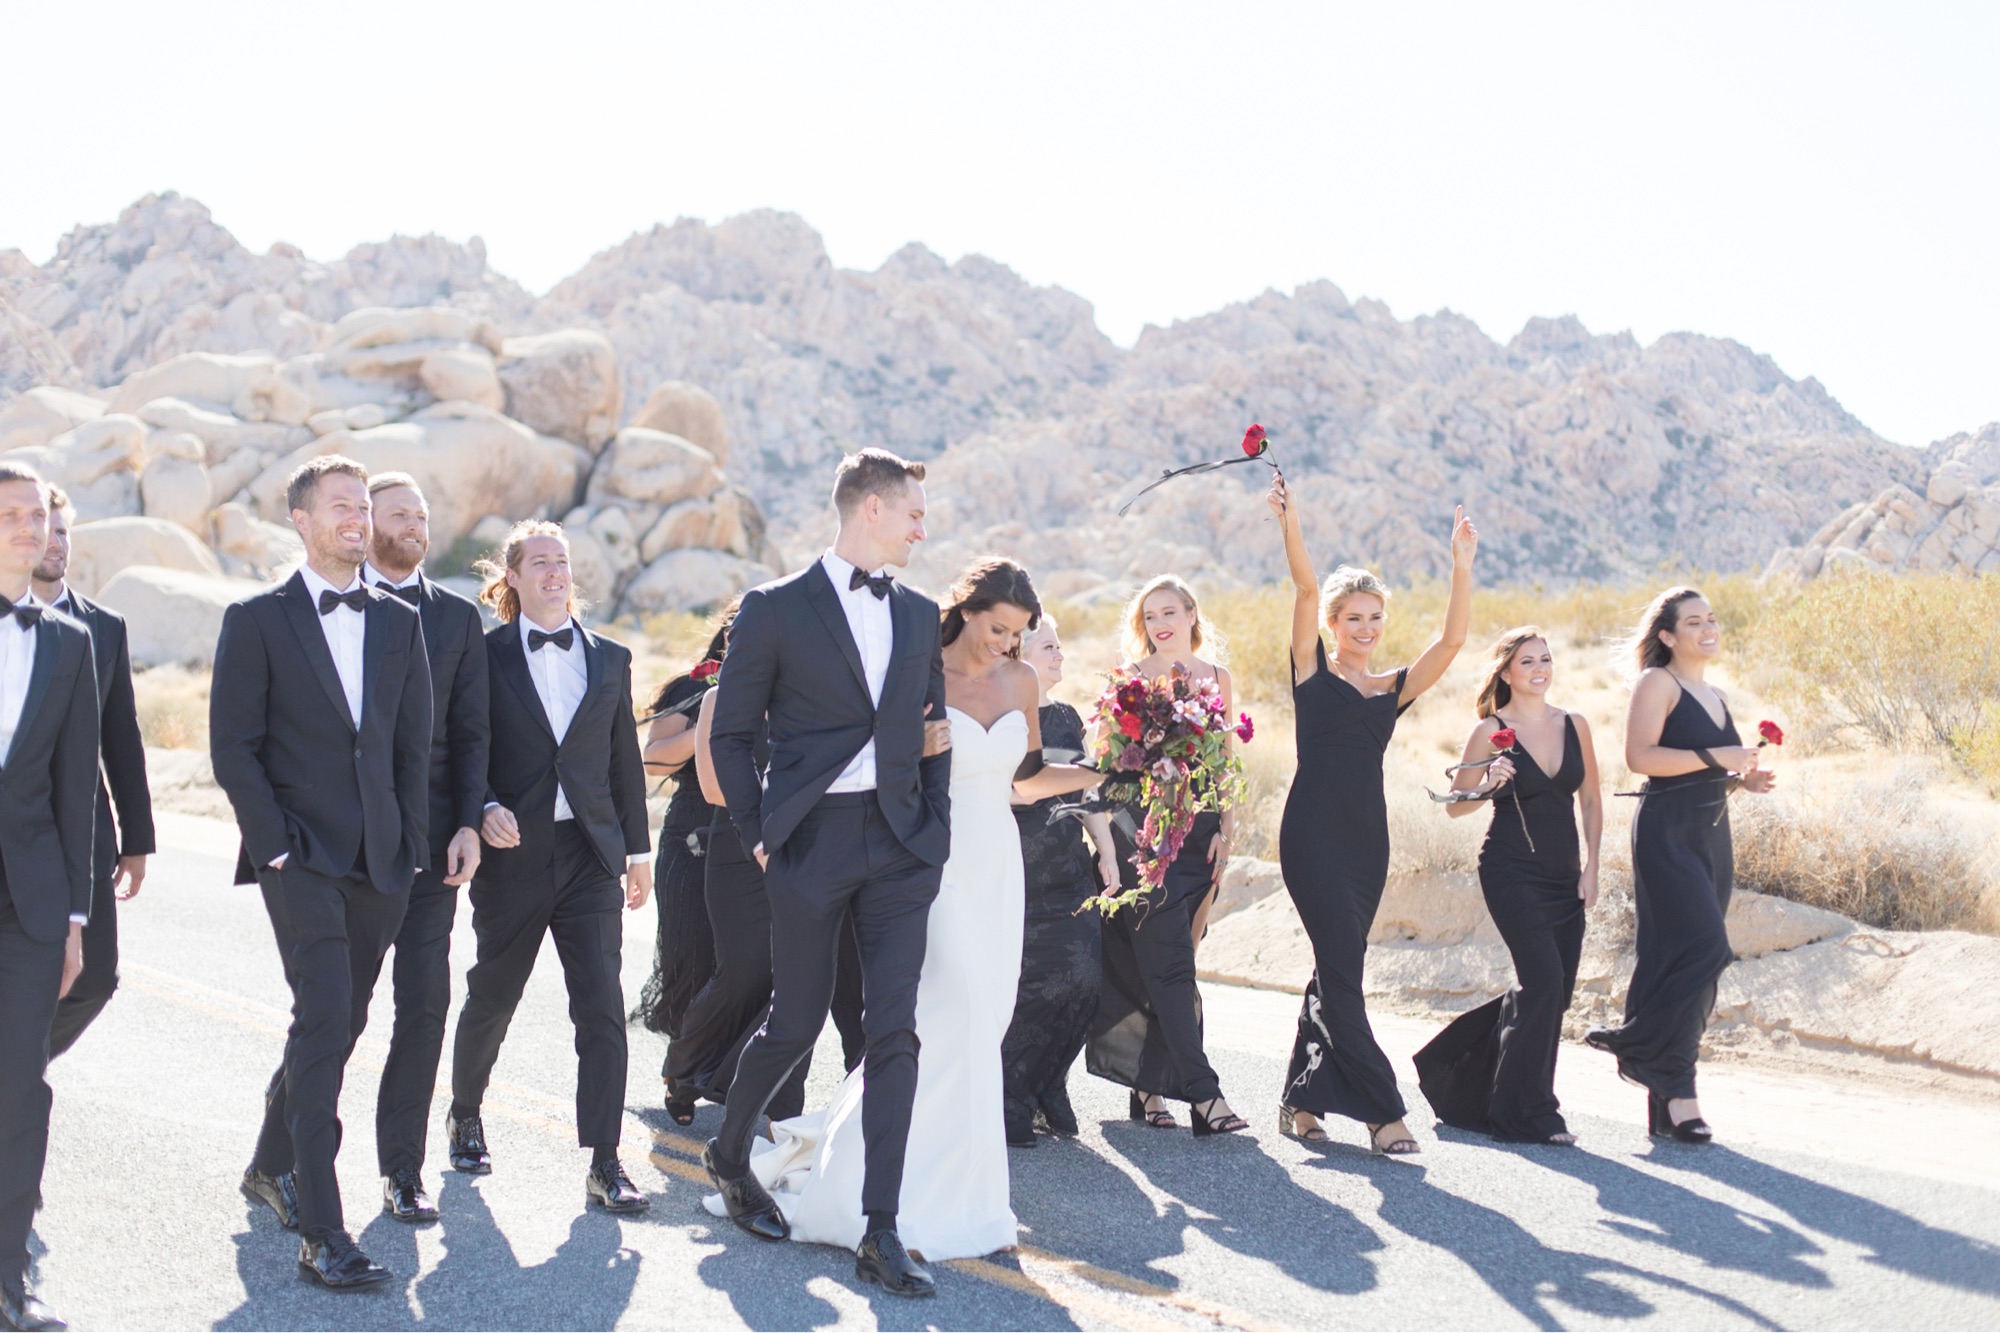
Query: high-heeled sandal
pixel 1231 1123
pixel 1403 1147
pixel 1288 1125
pixel 1660 1123
pixel 1159 1118
pixel 680 1105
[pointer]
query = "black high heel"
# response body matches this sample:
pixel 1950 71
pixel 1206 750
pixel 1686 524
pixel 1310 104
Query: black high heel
pixel 1160 1119
pixel 1203 1126
pixel 680 1104
pixel 1660 1123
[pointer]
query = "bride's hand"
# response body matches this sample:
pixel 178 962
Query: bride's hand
pixel 937 735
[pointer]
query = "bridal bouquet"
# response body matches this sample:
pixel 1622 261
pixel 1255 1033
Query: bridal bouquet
pixel 1164 745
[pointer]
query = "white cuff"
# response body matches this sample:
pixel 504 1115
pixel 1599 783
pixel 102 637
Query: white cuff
pixel 79 919
pixel 637 858
pixel 279 862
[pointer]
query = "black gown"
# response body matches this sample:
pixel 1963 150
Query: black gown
pixel 683 952
pixel 1493 1068
pixel 1060 962
pixel 1333 846
pixel 1683 866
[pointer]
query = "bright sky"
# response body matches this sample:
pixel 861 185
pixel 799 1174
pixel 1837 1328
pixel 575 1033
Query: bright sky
pixel 1820 181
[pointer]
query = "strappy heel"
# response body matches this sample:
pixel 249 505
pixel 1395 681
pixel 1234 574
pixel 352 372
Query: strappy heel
pixel 1288 1125
pixel 680 1104
pixel 1203 1126
pixel 1161 1118
pixel 1403 1147
pixel 1660 1123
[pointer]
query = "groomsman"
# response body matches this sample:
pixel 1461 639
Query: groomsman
pixel 315 670
pixel 118 865
pixel 48 801
pixel 565 818
pixel 454 636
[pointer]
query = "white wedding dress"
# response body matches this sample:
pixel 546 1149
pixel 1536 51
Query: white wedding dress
pixel 955 1199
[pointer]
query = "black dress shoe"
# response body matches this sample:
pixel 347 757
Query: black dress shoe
pixel 337 1263
pixel 20 1310
pixel 466 1140
pixel 883 1259
pixel 404 1197
pixel 281 1193
pixel 747 1202
pixel 611 1189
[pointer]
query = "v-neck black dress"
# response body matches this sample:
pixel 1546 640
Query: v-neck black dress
pixel 1683 868
pixel 1493 1069
pixel 1333 845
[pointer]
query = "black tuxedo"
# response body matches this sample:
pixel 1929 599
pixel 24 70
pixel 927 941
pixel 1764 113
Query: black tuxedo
pixel 563 878
pixel 48 793
pixel 455 639
pixel 122 786
pixel 875 854
pixel 354 830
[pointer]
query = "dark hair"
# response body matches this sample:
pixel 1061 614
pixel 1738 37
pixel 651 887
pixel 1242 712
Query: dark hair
pixel 718 645
pixel 1494 692
pixel 993 581
pixel 505 601
pixel 871 472
pixel 299 490
pixel 1660 615
pixel 13 471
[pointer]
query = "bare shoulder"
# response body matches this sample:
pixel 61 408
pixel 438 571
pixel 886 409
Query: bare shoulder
pixel 1655 683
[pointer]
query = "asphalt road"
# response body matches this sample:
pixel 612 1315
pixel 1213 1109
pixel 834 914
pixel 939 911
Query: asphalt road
pixel 1830 1203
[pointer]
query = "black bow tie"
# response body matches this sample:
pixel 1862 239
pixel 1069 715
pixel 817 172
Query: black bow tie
pixel 562 639
pixel 27 614
pixel 356 598
pixel 409 592
pixel 877 584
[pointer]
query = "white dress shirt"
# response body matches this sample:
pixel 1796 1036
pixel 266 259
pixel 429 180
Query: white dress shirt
pixel 346 633
pixel 61 601
pixel 874 631
pixel 561 678
pixel 17 667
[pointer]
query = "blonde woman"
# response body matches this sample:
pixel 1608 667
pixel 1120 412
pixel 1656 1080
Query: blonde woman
pixel 1493 1070
pixel 1333 842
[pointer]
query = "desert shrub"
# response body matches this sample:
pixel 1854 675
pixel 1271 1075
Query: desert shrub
pixel 1980 747
pixel 173 707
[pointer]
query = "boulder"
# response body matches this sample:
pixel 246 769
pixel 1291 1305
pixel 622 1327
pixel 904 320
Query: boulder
pixel 249 547
pixel 1245 881
pixel 34 418
pixel 223 433
pixel 176 488
pixel 100 549
pixel 564 384
pixel 172 615
pixel 202 377
pixel 462 374
pixel 689 411
pixel 593 570
pixel 111 443
pixel 678 527
pixel 652 467
pixel 1760 924
pixel 691 580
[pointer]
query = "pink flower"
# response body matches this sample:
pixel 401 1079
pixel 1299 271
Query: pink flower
pixel 1245 729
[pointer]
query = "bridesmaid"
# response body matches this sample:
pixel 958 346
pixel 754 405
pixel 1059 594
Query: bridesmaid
pixel 1680 737
pixel 1333 841
pixel 1060 964
pixel 1493 1069
pixel 1147 1032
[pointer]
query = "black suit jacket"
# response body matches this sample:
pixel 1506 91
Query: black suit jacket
pixel 48 784
pixel 302 779
pixel 455 638
pixel 793 659
pixel 597 762
pixel 123 786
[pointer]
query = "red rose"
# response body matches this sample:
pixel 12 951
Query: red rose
pixel 1771 732
pixel 1253 441
pixel 1245 729
pixel 1503 739
pixel 1129 724
pixel 704 670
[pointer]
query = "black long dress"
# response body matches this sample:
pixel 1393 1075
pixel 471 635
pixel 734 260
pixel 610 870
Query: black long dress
pixel 1060 954
pixel 1493 1068
pixel 683 952
pixel 1683 867
pixel 1333 846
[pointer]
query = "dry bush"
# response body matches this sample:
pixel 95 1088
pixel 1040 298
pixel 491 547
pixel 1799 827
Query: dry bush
pixel 173 707
pixel 1884 850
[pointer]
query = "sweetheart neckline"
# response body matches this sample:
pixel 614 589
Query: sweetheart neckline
pixel 984 729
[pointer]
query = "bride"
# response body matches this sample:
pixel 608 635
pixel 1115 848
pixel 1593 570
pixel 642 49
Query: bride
pixel 954 1202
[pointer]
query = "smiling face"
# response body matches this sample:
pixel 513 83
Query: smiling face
pixel 995 632
pixel 1168 621
pixel 893 524
pixel 402 531
pixel 1042 650
pixel 55 558
pixel 335 526
pixel 1530 670
pixel 24 534
pixel 540 578
pixel 1697 634
pixel 1357 625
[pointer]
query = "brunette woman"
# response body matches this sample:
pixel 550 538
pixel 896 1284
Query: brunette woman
pixel 1060 955
pixel 1493 1069
pixel 1680 737
pixel 1147 1032
pixel 1333 842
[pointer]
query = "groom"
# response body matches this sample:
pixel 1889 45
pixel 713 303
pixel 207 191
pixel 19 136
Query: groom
pixel 845 663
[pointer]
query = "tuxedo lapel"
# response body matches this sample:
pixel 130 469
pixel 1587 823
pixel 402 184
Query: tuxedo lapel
pixel 304 617
pixel 825 601
pixel 430 611
pixel 47 644
pixel 374 643
pixel 593 672
pixel 903 625
pixel 512 666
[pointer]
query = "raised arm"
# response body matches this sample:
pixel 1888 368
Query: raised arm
pixel 1305 584
pixel 1431 664
pixel 1646 718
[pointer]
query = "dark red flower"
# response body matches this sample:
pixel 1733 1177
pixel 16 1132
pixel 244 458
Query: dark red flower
pixel 1253 440
pixel 1245 729
pixel 1129 724
pixel 704 670
pixel 1772 733
pixel 1503 739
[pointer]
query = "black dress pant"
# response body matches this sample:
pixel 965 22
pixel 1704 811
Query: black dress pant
pixel 30 976
pixel 92 991
pixel 332 935
pixel 581 906
pixel 843 857
pixel 421 976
